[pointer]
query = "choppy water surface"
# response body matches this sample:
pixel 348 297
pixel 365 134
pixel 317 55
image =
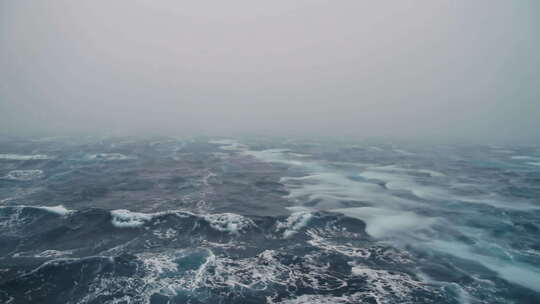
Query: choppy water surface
pixel 205 220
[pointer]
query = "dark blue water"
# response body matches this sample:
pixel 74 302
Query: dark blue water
pixel 251 220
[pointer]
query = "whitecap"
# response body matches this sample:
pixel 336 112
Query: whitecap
pixel 512 271
pixel 329 190
pixel 405 183
pixel 24 175
pixel 123 218
pixel 229 145
pixel 275 156
pixel 53 253
pixel 388 283
pixel 109 156
pixel 401 151
pixel 400 169
pixel 382 223
pixel 503 151
pixel 24 157
pixel 294 223
pixel 229 222
pixel 376 149
pixel 525 157
pixel 60 209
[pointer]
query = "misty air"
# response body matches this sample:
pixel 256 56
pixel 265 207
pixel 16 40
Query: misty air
pixel 301 151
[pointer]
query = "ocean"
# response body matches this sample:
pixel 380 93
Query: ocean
pixel 267 220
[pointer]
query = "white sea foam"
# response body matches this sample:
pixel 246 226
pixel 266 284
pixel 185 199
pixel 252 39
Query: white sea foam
pixel 404 152
pixel 388 283
pixel 525 157
pixel 158 275
pixel 298 154
pixel 264 270
pixel 382 223
pixel 283 156
pixel 383 287
pixel 60 209
pixel 395 168
pixel 208 271
pixel 158 263
pixel 389 217
pixel 329 190
pixel 510 270
pixel 53 253
pixel 534 163
pixel 24 175
pixel 165 234
pixel 347 250
pixel 402 182
pixel 498 202
pixel 294 223
pixel 376 149
pixel 169 272
pixel 123 218
pixel 109 156
pixel 229 145
pixel 229 222
pixel 275 156
pixel 12 218
pixel 24 157
pixel 223 141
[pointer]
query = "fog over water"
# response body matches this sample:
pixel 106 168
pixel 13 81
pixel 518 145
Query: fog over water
pixel 465 70
pixel 291 151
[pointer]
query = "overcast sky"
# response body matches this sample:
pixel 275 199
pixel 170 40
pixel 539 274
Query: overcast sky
pixel 435 69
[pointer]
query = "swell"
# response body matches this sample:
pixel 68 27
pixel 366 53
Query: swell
pixel 177 256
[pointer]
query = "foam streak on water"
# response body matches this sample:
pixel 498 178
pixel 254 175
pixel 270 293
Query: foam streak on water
pixel 410 207
pixel 188 220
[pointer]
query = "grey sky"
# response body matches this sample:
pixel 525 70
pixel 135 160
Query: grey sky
pixel 458 69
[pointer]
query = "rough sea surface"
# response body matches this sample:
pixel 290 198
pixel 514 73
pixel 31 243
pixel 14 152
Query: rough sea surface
pixel 256 220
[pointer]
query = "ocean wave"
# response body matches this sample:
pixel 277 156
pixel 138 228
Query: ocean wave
pixel 59 209
pixel 123 218
pixel 394 168
pixel 229 145
pixel 24 157
pixel 525 157
pixel 225 222
pixel 109 156
pixel 24 175
pixel 229 222
pixel 383 223
pixel 294 223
